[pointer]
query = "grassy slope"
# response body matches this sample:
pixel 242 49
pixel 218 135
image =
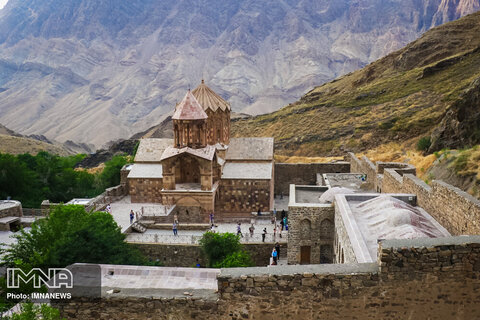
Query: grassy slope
pixel 19 145
pixel 388 100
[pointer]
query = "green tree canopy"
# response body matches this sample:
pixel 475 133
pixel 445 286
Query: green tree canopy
pixel 224 250
pixel 69 235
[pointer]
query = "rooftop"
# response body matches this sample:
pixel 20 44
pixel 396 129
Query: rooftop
pixel 151 149
pixel 250 149
pixel 208 99
pixel 189 109
pixel 247 170
pixel 146 170
pixel 207 152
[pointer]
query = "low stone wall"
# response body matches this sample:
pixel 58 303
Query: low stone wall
pixel 11 208
pixel 454 209
pixel 188 255
pixel 303 173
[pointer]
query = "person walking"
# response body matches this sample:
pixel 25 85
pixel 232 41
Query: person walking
pixel 132 215
pixel 175 218
pixel 264 234
pixel 211 218
pixel 239 230
pixel 282 224
pixel 274 231
pixel 283 214
pixel 285 223
pixel 259 213
pixel 251 229
pixel 108 208
pixel 277 247
pixel 174 228
pixel 274 256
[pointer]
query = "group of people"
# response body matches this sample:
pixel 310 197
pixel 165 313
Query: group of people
pixel 133 216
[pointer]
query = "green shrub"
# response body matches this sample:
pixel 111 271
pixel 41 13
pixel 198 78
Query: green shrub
pixel 235 260
pixel 423 144
pixel 218 246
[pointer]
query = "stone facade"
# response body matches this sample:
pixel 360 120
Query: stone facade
pixel 10 208
pixel 310 234
pixel 238 195
pixel 145 190
pixel 343 250
pixel 304 173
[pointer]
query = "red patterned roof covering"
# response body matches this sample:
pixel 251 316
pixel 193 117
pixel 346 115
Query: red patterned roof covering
pixel 189 109
pixel 209 99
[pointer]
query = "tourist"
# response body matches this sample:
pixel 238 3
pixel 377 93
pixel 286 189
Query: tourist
pixel 274 230
pixel 136 216
pixel 211 218
pixel 175 230
pixel 259 213
pixel 274 256
pixel 264 234
pixel 285 223
pixel 239 230
pixel 283 214
pixel 277 247
pixel 175 218
pixel 108 209
pixel 132 215
pixel 282 224
pixel 275 212
pixel 251 229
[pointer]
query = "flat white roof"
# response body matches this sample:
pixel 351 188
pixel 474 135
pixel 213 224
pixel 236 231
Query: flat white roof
pixel 250 149
pixel 146 170
pixel 248 170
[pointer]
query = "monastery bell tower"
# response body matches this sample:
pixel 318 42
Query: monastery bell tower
pixel 190 123
pixel 218 112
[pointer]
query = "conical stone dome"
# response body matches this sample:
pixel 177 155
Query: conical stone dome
pixel 208 99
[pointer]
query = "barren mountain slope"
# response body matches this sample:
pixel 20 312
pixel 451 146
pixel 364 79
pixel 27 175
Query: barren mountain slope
pixel 399 97
pixel 96 71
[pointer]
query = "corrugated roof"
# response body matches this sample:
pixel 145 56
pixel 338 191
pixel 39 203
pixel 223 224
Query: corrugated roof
pixel 247 170
pixel 209 99
pixel 151 149
pixel 250 149
pixel 206 153
pixel 189 109
pixel 146 170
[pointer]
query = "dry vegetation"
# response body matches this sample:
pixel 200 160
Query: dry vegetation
pixel 392 99
pixel 20 145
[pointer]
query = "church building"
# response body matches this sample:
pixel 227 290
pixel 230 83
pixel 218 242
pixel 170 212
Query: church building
pixel 202 169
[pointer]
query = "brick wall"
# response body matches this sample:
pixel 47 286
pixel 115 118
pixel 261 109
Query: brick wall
pixel 303 173
pixel 145 190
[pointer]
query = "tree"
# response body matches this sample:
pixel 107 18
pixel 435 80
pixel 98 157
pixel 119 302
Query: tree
pixel 69 235
pixel 110 175
pixel 29 311
pixel 224 250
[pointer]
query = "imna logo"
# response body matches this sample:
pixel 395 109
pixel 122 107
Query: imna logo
pixel 54 278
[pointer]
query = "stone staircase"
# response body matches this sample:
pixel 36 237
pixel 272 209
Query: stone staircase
pixel 138 227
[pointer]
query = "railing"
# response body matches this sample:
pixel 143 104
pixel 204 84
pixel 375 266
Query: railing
pixel 194 239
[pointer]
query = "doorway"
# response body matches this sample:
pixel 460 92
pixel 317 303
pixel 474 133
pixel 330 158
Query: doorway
pixel 305 254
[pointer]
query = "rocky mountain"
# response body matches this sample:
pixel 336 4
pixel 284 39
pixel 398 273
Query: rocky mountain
pixel 96 71
pixel 431 85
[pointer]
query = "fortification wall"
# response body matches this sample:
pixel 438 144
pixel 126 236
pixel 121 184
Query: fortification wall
pixel 188 255
pixel 456 210
pixel 417 278
pixel 243 196
pixel 303 173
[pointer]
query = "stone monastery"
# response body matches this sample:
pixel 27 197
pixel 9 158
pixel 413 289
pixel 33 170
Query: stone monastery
pixel 202 169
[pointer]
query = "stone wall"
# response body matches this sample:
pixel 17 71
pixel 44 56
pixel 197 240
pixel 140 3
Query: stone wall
pixel 10 208
pixel 413 279
pixel 145 190
pixel 311 225
pixel 303 173
pixel 454 209
pixel 343 250
pixel 188 255
pixel 243 196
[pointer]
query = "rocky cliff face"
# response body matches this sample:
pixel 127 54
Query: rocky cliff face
pixel 460 126
pixel 95 71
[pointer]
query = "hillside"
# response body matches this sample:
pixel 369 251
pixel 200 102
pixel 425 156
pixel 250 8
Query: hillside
pixel 97 71
pixel 402 96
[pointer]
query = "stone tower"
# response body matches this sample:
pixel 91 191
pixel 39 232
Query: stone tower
pixel 218 112
pixel 190 123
